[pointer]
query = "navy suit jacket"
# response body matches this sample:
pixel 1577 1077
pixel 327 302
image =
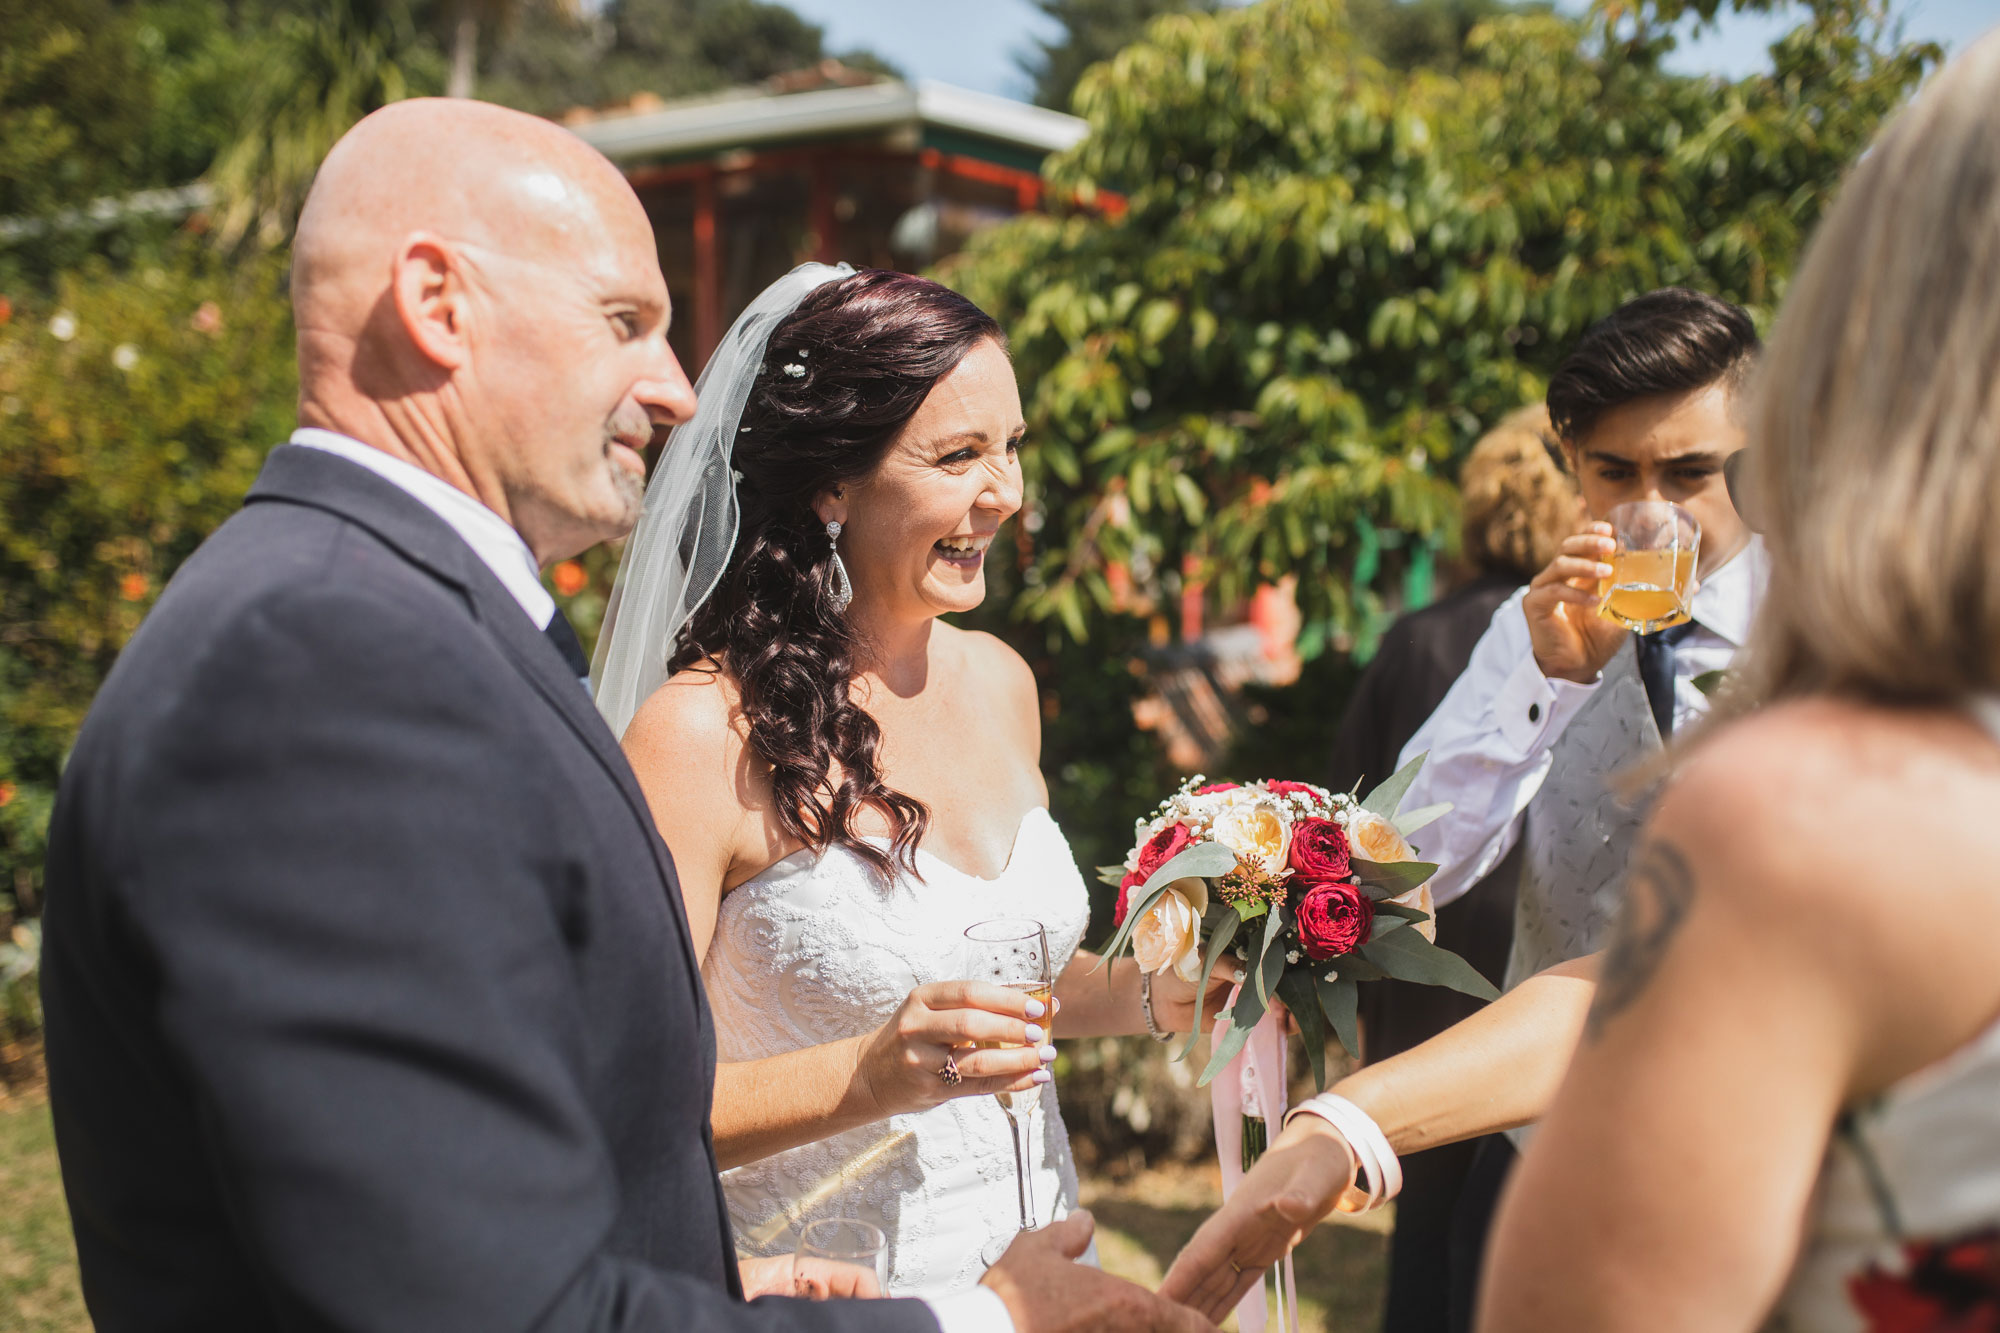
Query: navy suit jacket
pixel 371 1003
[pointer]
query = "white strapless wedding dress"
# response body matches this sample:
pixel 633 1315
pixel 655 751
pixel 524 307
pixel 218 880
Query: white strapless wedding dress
pixel 817 950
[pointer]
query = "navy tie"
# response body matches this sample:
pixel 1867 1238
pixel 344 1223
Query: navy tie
pixel 1656 672
pixel 564 638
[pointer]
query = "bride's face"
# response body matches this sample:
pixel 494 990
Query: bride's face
pixel 917 529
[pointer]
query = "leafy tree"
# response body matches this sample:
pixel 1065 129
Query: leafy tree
pixel 1092 30
pixel 1330 274
pixel 136 407
pixel 551 61
pixel 329 66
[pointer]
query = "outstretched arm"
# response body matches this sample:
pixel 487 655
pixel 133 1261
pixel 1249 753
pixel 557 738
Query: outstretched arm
pixel 1497 1069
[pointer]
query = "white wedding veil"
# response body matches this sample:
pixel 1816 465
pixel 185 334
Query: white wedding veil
pixel 676 555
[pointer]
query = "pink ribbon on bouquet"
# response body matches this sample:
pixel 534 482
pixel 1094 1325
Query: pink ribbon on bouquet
pixel 1253 1084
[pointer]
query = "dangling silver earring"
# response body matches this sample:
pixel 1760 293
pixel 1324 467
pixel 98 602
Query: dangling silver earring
pixel 843 587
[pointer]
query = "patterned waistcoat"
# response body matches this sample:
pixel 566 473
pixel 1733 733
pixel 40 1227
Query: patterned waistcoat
pixel 1581 827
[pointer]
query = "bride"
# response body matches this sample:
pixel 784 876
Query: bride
pixel 847 782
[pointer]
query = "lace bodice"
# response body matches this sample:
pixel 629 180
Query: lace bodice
pixel 817 950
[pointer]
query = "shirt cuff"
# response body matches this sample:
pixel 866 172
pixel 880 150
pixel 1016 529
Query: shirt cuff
pixel 1532 709
pixel 979 1310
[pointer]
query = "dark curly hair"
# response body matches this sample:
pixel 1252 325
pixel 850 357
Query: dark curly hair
pixel 871 346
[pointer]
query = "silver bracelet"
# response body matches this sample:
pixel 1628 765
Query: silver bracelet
pixel 1146 1009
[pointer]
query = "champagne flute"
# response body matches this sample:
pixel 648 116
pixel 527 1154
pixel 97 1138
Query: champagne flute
pixel 1658 543
pixel 846 1240
pixel 1014 952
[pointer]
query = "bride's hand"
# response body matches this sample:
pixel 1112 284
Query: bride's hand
pixel 900 1063
pixel 1173 998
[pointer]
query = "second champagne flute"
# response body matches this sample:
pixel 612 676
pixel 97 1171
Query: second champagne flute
pixel 1014 952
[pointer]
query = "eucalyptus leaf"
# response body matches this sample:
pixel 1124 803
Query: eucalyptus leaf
pixel 1340 1000
pixel 1204 860
pixel 1408 956
pixel 1411 821
pixel 1112 875
pixel 1352 967
pixel 1226 1046
pixel 1385 798
pixel 1708 682
pixel 1384 924
pixel 1390 879
pixel 1296 989
pixel 1270 957
pixel 1250 911
pixel 1399 910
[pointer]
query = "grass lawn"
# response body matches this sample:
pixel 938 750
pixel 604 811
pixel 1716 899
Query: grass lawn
pixel 38 1291
pixel 1142 1223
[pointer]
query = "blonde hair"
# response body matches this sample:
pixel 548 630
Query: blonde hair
pixel 1518 502
pixel 1875 421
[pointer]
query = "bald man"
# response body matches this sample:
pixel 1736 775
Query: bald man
pixel 371 1003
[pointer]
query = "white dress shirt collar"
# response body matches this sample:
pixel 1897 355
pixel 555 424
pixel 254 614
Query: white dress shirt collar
pixel 1727 599
pixel 497 545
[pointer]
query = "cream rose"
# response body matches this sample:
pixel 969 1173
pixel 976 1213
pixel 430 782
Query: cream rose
pixel 1420 898
pixel 1374 838
pixel 1258 831
pixel 1169 935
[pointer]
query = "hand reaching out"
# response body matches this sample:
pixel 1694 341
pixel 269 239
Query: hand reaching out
pixel 1296 1183
pixel 1046 1291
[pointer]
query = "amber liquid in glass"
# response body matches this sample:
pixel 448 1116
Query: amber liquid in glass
pixel 1034 990
pixel 1647 590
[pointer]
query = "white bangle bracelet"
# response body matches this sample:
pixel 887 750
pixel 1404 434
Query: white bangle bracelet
pixel 1375 1161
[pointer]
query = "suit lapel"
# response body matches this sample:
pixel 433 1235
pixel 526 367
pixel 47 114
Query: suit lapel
pixel 321 480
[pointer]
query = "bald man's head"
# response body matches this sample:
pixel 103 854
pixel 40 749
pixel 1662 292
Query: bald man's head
pixel 477 291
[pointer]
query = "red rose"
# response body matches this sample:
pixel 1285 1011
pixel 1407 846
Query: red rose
pixel 1214 787
pixel 1161 848
pixel 1319 850
pixel 1287 788
pixel 1334 919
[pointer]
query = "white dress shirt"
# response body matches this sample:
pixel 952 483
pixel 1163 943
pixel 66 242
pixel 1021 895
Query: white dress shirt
pixel 1489 741
pixel 501 549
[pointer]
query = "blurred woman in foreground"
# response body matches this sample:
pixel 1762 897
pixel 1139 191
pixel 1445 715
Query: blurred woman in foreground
pixel 1785 1111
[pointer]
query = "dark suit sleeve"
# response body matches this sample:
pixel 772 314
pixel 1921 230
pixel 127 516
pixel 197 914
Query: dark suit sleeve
pixel 342 864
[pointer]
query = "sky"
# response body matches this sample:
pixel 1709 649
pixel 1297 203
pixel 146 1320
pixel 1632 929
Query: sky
pixel 973 43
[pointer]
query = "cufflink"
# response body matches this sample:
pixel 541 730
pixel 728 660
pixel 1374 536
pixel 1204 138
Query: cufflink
pixel 1534 712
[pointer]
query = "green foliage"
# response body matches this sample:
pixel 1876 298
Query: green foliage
pixel 135 409
pixel 1331 274
pixel 99 101
pixel 1091 31
pixel 548 61
pixel 327 67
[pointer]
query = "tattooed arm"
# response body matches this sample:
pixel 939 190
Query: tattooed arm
pixel 1755 985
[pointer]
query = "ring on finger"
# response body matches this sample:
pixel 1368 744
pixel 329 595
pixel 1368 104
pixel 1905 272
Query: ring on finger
pixel 948 1071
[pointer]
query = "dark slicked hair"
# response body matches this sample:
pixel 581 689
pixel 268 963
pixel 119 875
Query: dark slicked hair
pixel 1670 341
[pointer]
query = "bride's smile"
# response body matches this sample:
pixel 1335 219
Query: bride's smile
pixel 915 531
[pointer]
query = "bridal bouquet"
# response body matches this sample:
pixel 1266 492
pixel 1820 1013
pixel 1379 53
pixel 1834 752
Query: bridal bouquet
pixel 1313 891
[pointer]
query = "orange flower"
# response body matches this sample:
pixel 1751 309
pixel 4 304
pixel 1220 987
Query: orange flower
pixel 133 587
pixel 6 310
pixel 6 793
pixel 570 578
